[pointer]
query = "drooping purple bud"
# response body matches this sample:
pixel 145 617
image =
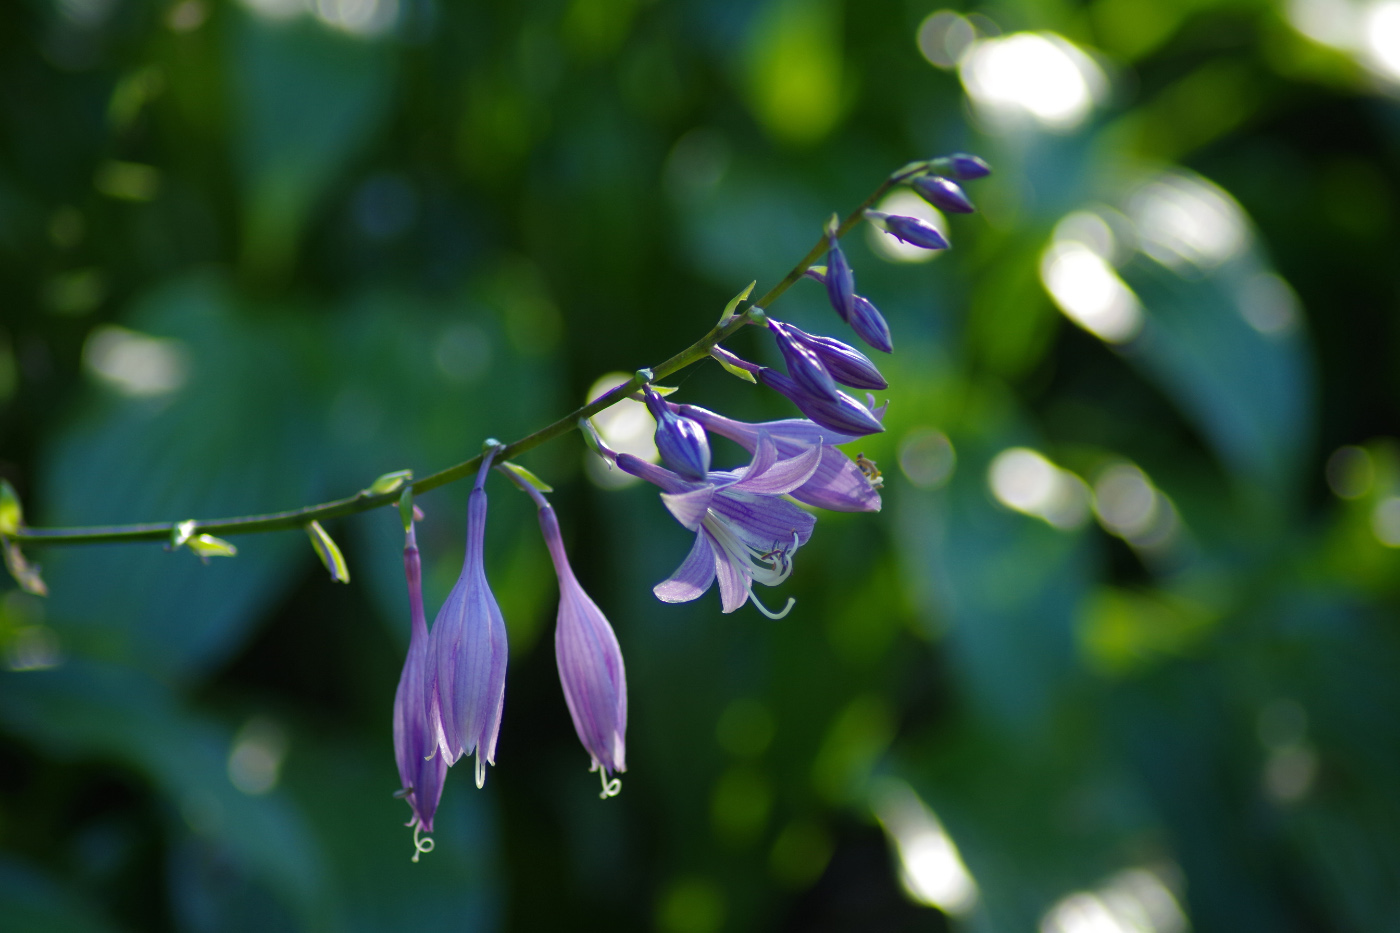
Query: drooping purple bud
pixel 845 363
pixel 468 649
pixel 840 280
pixel 962 166
pixel 865 320
pixel 870 325
pixel 590 665
pixel 843 414
pixel 682 442
pixel 416 720
pixel 942 194
pixel 803 365
pixel 911 230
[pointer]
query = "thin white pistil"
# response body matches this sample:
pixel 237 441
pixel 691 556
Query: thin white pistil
pixel 610 788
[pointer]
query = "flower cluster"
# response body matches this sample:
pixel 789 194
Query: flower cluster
pixel 748 524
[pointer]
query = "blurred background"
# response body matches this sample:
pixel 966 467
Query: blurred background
pixel 1119 655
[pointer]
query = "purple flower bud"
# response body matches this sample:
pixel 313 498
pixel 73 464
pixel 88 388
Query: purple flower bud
pixel 845 363
pixel 803 365
pixel 468 649
pixel 870 326
pixel 416 722
pixel 865 320
pixel 590 664
pixel 942 194
pixel 964 167
pixel 911 230
pixel 682 442
pixel 840 280
pixel 844 414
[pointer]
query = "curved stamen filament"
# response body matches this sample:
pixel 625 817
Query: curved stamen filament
pixel 611 788
pixel 421 844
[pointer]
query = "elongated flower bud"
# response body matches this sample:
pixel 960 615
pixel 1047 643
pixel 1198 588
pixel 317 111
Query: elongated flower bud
pixel 416 722
pixel 962 166
pixel 803 365
pixel 942 194
pixel 843 414
pixel 840 280
pixel 682 442
pixel 911 230
pixel 469 649
pixel 845 363
pixel 870 325
pixel 865 320
pixel 590 664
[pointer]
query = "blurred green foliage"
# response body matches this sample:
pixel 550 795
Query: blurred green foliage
pixel 1121 648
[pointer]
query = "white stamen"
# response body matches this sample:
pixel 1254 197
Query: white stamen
pixel 767 567
pixel 480 771
pixel 768 612
pixel 610 788
pixel 421 844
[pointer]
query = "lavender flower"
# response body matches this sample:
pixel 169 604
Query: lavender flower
pixel 841 414
pixel 911 230
pixel 416 725
pixel 590 663
pixel 838 484
pixel 942 194
pixel 468 654
pixel 744 533
pixel 681 442
pixel 843 362
pixel 864 319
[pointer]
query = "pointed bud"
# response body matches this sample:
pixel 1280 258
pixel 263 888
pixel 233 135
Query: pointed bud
pixel 843 414
pixel 911 230
pixel 870 325
pixel 11 515
pixel 681 442
pixel 840 280
pixel 942 194
pixel 961 166
pixel 845 363
pixel 803 365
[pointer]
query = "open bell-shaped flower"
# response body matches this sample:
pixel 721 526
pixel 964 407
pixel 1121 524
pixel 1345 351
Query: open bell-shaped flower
pixel 837 484
pixel 468 649
pixel 416 723
pixel 745 532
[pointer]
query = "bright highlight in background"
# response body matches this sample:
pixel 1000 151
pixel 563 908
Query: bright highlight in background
pixel 135 364
pixel 1182 218
pixel 1041 75
pixel 1023 480
pixel 931 869
pixel 626 427
pixel 1090 293
pixel 1133 901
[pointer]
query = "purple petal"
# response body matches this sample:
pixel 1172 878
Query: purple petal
pixel 840 281
pixel 693 577
pixel 942 194
pixel 838 485
pixel 783 476
pixel 845 363
pixel 689 507
pixel 421 772
pixel 734 581
pixel 763 522
pixel 844 414
pixel 870 325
